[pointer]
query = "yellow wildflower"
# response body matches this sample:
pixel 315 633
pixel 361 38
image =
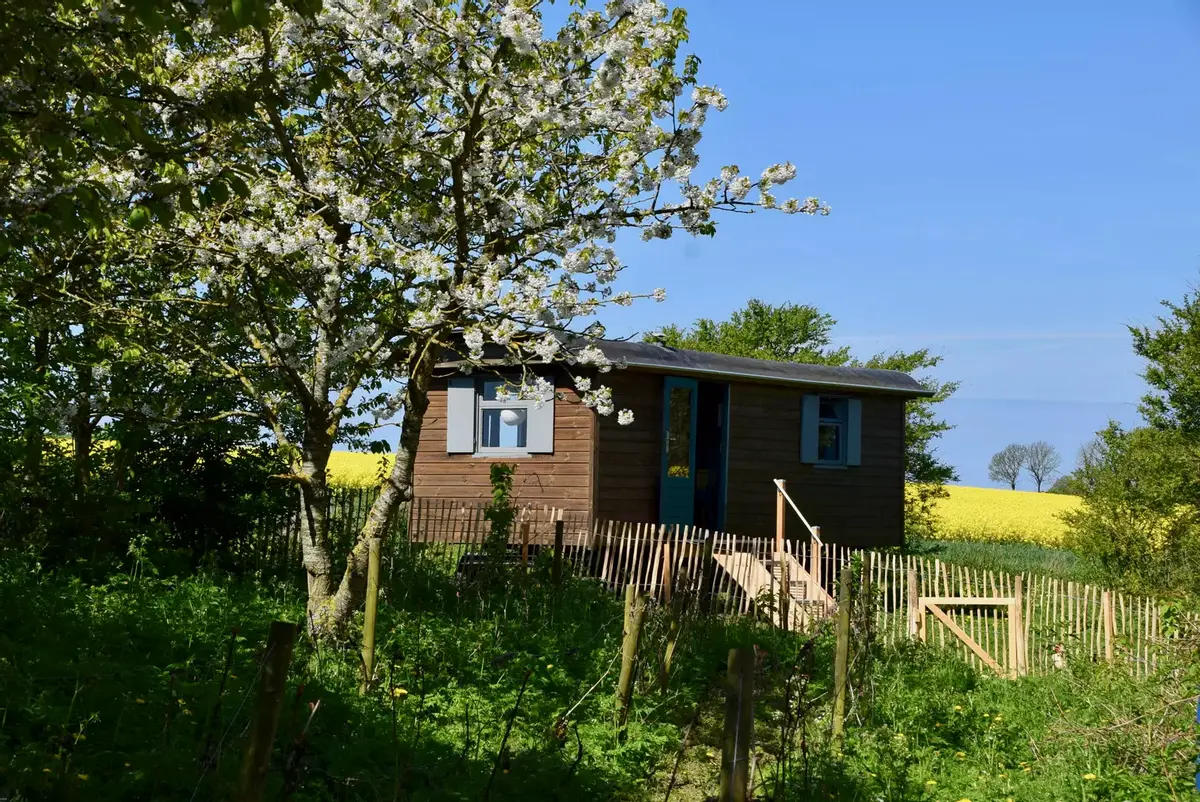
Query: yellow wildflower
pixel 930 783
pixel 958 708
pixel 549 666
pixel 140 701
pixel 1089 776
pixel 82 776
pixel 399 693
pixel 960 755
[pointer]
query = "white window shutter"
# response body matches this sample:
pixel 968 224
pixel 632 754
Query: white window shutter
pixel 854 432
pixel 460 416
pixel 810 415
pixel 539 433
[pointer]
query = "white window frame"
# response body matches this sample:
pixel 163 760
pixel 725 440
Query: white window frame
pixel 842 427
pixel 481 405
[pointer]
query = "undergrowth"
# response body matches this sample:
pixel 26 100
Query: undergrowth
pixel 142 688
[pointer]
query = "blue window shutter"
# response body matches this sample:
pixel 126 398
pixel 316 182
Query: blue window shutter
pixel 810 415
pixel 460 416
pixel 854 432
pixel 539 434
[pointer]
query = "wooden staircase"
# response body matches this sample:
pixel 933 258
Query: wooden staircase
pixel 757 577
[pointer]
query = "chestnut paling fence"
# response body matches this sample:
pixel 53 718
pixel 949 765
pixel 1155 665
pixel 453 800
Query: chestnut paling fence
pixel 726 574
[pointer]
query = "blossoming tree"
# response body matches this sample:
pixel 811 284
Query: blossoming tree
pixel 399 171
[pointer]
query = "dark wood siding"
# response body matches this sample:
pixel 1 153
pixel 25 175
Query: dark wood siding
pixel 861 505
pixel 628 458
pixel 562 479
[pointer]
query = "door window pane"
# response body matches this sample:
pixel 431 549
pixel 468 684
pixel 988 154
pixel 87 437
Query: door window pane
pixel 679 434
pixel 496 433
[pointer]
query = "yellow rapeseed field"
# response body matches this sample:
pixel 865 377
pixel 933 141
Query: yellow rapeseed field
pixel 351 469
pixel 985 514
pixel 992 515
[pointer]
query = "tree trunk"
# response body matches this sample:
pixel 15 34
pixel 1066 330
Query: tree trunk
pixel 397 492
pixel 83 430
pixel 35 432
pixel 314 526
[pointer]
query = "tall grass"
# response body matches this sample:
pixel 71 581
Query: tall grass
pixel 111 692
pixel 1013 558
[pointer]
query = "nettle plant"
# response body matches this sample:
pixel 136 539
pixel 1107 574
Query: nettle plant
pixel 365 181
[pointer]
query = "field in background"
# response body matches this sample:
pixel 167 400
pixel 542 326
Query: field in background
pixel 350 469
pixel 993 515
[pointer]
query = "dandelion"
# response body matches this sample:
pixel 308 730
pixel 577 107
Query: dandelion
pixel 930 783
pixel 82 776
pixel 958 708
pixel 1089 776
pixel 960 755
pixel 399 692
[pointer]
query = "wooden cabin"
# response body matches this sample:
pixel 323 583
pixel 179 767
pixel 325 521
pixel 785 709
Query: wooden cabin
pixel 709 435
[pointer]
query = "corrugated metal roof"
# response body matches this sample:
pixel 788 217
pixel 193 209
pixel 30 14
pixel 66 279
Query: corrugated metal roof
pixel 662 359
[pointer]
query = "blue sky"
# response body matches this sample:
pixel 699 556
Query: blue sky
pixel 1010 186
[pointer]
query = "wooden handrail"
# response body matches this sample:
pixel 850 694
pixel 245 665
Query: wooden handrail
pixel 779 485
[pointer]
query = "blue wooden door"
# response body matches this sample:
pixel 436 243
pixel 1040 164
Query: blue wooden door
pixel 677 500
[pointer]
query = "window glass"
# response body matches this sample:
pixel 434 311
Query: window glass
pixel 490 386
pixel 829 442
pixel 679 434
pixel 831 409
pixel 496 432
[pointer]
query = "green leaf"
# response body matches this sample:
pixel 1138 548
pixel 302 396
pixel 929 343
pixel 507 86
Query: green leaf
pixel 217 191
pixel 244 11
pixel 139 218
pixel 239 186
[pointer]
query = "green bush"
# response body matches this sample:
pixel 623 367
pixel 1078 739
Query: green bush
pixel 1140 521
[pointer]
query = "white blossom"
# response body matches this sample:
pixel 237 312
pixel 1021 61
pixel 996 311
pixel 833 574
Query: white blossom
pixel 625 417
pixel 521 27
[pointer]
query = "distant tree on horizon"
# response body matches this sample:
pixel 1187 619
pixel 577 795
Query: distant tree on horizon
pixel 1042 461
pixel 1006 465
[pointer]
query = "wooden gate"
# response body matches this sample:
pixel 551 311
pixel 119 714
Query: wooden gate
pixel 1014 656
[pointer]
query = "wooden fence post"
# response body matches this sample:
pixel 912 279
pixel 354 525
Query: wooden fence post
pixel 841 659
pixel 1018 610
pixel 1106 603
pixel 368 652
pixel 556 573
pixel 525 544
pixel 666 573
pixel 708 571
pixel 739 726
pixel 781 555
pixel 635 616
pixel 915 623
pixel 253 779
pixel 816 560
